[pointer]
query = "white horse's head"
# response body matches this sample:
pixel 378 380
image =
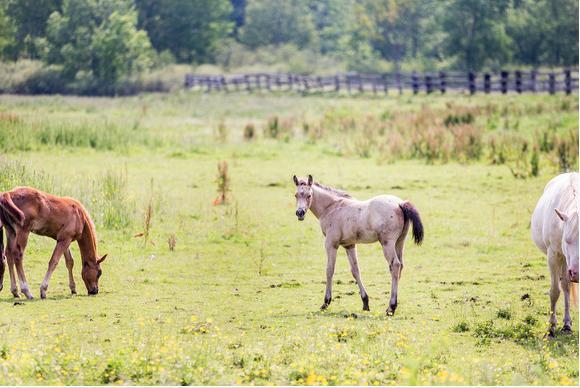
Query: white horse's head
pixel 303 196
pixel 570 242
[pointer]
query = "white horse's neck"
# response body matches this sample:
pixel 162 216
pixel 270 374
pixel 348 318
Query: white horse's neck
pixel 322 200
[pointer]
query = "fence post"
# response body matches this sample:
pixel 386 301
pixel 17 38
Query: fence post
pixel 568 81
pixel 348 83
pixel 471 84
pixel 319 82
pixel 360 83
pixel 552 83
pixel 374 81
pixel 487 83
pixel 247 81
pixel 518 81
pixel 428 84
pixel 533 81
pixel 442 82
pixel 504 81
pixel 415 82
pixel 337 83
pixel 385 83
pixel 188 81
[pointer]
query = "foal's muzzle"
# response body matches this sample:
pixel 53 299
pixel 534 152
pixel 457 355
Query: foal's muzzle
pixel 94 291
pixel 300 213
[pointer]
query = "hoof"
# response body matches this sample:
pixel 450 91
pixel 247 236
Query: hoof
pixel 365 300
pixel 324 306
pixel 73 292
pixel 390 312
pixel 566 329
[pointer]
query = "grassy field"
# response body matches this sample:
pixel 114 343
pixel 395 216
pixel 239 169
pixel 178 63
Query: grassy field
pixel 229 294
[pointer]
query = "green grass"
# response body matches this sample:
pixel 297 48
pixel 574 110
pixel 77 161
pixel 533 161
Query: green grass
pixel 236 301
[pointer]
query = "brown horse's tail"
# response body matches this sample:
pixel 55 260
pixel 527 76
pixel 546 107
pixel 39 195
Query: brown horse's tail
pixel 410 212
pixel 14 215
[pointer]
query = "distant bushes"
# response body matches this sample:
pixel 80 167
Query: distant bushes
pixel 32 77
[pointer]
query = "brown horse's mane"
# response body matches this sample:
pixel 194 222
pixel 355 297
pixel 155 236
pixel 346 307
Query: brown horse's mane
pixel 336 192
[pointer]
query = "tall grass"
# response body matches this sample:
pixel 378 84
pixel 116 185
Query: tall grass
pixel 106 197
pixel 17 134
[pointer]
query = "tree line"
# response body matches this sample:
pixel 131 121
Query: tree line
pixel 94 45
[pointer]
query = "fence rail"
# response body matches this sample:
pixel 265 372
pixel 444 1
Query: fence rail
pixel 503 81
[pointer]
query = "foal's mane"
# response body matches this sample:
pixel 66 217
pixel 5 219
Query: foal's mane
pixel 336 192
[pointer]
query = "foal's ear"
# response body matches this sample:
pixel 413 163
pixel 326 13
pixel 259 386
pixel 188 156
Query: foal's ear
pixel 310 180
pixel 102 258
pixel 295 180
pixel 561 215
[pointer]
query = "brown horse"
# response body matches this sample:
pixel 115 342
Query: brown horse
pixel 24 210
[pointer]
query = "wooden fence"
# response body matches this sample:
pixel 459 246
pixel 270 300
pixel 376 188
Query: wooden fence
pixel 441 82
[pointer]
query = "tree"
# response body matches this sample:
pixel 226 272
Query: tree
pixel 285 22
pixel 96 43
pixel 29 18
pixel 475 32
pixel 7 31
pixel 190 29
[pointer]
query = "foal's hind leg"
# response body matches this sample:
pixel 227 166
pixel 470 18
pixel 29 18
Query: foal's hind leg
pixel 395 267
pixel 352 259
pixel 2 267
pixel 69 266
pixel 61 247
pixel 15 256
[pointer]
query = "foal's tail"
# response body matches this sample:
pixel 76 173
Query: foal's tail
pixel 13 214
pixel 410 212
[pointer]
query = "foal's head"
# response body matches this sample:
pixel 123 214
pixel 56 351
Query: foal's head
pixel 91 273
pixel 303 196
pixel 570 242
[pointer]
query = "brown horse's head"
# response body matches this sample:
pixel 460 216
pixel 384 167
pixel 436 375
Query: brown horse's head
pixel 303 196
pixel 91 273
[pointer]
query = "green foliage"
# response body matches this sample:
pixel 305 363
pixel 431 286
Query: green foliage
pixel 190 29
pixel 97 44
pixel 288 22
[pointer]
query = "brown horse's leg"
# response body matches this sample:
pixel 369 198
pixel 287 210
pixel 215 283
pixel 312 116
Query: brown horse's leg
pixel 21 242
pixel 61 247
pixel 352 259
pixel 395 267
pixel 331 257
pixel 69 266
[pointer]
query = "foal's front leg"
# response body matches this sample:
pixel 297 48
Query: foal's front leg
pixel 352 259
pixel 331 249
pixel 69 266
pixel 61 247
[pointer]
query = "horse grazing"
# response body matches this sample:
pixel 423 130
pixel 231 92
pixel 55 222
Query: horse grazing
pixel 24 210
pixel 555 232
pixel 346 222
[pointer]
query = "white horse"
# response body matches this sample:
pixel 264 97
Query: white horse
pixel 346 222
pixel 555 232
